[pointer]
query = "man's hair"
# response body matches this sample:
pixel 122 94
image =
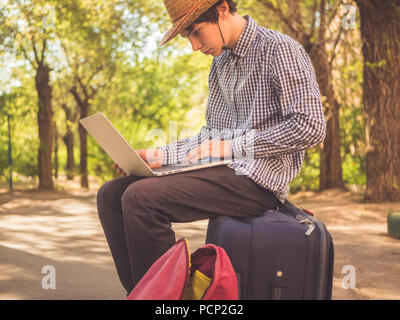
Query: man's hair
pixel 211 15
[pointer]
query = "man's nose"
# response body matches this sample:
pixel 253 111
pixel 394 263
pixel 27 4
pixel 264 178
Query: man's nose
pixel 196 45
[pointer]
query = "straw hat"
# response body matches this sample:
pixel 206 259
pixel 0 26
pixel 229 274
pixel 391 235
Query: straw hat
pixel 183 13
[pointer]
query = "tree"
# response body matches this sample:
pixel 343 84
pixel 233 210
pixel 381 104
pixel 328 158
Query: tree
pixel 68 138
pixel 380 29
pixel 90 46
pixel 25 25
pixel 67 118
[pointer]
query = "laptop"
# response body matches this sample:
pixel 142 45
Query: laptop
pixel 120 151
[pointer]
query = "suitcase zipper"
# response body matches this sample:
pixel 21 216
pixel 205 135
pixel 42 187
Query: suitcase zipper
pixel 322 266
pixel 310 226
pixel 323 243
pixel 321 274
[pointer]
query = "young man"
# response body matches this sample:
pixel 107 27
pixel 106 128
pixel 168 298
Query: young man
pixel 264 110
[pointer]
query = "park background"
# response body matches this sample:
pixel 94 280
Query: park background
pixel 64 60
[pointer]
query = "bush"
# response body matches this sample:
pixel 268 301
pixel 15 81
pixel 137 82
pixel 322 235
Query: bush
pixel 393 224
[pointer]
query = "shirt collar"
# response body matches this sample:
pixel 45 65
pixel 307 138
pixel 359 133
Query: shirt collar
pixel 248 35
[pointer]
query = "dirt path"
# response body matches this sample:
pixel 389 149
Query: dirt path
pixel 61 229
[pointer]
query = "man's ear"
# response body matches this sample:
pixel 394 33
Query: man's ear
pixel 223 10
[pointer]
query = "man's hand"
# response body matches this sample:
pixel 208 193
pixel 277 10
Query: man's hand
pixel 210 148
pixel 153 157
pixel 119 170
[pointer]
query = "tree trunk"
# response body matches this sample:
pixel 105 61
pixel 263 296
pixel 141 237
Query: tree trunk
pixel 55 151
pixel 330 159
pixel 68 139
pixel 84 107
pixel 83 146
pixel 45 125
pixel 380 30
pixel 69 143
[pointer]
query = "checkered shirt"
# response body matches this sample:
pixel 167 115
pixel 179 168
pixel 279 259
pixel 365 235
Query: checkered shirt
pixel 264 97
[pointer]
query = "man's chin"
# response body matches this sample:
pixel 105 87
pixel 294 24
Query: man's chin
pixel 217 53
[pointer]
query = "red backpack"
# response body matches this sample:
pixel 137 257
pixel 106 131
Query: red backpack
pixel 205 275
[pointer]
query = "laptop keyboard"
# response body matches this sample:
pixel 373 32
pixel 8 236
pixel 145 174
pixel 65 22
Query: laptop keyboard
pixel 186 165
pixel 172 167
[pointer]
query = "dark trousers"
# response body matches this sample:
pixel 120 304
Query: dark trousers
pixel 136 213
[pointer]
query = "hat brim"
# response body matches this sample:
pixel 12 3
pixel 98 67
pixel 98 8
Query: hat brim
pixel 187 20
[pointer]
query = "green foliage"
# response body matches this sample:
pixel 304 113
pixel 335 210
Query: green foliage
pixel 20 106
pixel 393 224
pixel 349 88
pixel 353 170
pixel 308 177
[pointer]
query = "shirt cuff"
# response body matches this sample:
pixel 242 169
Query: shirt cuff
pixel 243 146
pixel 170 154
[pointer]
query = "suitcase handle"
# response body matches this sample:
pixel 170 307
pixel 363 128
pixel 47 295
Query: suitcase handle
pixel 289 208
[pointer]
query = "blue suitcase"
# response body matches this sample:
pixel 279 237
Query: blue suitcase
pixel 280 255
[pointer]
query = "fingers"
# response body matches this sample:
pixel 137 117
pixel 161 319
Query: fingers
pixel 209 149
pixel 142 153
pixel 153 157
pixel 154 165
pixel 191 158
pixel 119 170
pixel 194 155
